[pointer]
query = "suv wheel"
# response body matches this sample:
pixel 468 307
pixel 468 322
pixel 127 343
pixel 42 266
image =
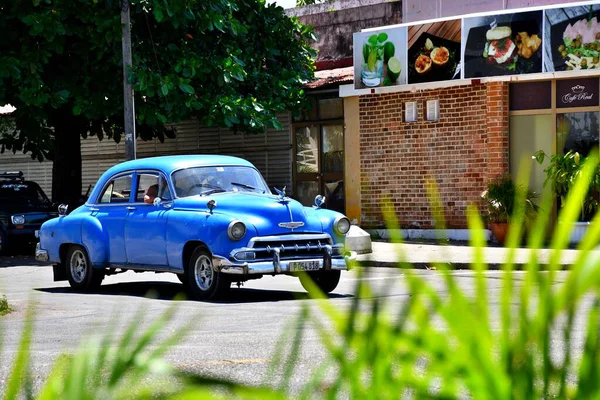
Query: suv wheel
pixel 327 281
pixel 80 273
pixel 203 282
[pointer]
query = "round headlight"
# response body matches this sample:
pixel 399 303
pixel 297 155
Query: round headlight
pixel 341 225
pixel 236 230
pixel 17 219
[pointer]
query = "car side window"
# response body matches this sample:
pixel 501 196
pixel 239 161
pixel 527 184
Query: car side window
pixel 150 186
pixel 117 191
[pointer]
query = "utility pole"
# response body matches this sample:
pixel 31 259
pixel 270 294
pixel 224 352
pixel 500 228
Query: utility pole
pixel 127 88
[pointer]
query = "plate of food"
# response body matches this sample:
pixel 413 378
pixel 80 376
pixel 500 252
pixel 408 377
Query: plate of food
pixel 575 42
pixel 505 48
pixel 432 58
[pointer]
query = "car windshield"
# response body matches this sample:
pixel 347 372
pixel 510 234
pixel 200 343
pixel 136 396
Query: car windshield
pixel 209 180
pixel 19 192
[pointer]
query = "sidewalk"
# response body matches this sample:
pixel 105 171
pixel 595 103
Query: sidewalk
pixel 456 256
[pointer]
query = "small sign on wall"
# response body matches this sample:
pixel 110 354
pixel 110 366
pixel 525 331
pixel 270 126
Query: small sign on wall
pixel 577 93
pixel 410 111
pixel 433 110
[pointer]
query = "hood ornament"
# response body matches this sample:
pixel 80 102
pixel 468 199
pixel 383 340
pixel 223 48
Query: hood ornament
pixel 281 193
pixel 291 224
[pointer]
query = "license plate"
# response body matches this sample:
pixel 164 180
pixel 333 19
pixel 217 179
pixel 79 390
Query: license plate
pixel 304 266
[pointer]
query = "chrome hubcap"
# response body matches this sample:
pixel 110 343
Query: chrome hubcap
pixel 78 266
pixel 203 272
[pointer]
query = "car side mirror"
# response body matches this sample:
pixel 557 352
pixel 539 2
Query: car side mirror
pixel 62 209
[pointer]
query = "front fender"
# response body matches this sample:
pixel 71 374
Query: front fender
pixel 209 228
pixel 327 218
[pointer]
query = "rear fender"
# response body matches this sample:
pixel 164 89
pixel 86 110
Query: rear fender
pixel 77 229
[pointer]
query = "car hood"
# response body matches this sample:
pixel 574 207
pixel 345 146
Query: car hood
pixel 264 212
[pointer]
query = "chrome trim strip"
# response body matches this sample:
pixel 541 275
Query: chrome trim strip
pixel 288 238
pixel 225 266
pixel 41 254
pixel 143 267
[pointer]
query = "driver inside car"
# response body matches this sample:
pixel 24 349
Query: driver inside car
pixel 151 194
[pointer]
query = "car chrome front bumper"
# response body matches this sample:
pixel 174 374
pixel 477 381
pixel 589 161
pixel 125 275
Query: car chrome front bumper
pixel 226 266
pixel 40 254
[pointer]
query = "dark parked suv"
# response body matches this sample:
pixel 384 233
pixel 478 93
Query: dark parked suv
pixel 23 208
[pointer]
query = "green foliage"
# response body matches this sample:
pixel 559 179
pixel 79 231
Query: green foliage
pixel 234 63
pixel 514 343
pixel 5 308
pixel 439 342
pixel 500 199
pixel 562 172
pixel 302 3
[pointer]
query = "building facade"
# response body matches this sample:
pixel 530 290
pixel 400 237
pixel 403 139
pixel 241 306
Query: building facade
pixel 357 146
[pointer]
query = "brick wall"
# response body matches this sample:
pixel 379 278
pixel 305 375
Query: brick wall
pixel 460 152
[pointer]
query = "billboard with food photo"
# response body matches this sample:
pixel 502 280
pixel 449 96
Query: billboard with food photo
pixel 434 52
pixel 506 44
pixel 380 58
pixel 572 38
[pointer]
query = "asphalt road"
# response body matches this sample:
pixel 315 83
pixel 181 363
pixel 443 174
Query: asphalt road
pixel 234 338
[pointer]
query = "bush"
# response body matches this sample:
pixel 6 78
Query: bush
pixel 562 173
pixel 501 197
pixel 4 306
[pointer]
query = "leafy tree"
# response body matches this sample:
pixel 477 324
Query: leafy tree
pixel 233 63
pixel 302 3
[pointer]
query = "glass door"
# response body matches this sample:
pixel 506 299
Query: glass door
pixel 319 164
pixel 319 153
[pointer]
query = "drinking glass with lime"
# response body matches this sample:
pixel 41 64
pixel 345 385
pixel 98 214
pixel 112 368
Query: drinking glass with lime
pixel 373 53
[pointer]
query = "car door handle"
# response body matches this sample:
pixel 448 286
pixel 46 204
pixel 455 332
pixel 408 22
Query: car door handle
pixel 94 209
pixel 130 208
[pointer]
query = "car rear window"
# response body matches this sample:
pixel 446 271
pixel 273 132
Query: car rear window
pixel 19 191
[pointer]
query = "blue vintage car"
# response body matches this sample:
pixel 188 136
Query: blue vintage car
pixel 212 220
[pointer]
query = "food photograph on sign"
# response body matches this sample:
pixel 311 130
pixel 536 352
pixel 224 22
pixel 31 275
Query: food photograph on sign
pixel 572 38
pixel 505 44
pixel 434 52
pixel 380 58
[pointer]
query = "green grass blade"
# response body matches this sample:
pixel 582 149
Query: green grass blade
pixel 20 368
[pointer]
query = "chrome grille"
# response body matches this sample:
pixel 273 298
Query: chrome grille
pixel 288 247
pixel 302 248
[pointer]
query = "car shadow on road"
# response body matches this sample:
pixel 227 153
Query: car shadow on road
pixel 176 292
pixel 19 260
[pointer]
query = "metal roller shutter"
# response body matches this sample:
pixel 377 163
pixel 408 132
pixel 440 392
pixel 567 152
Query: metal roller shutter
pixel 40 172
pixel 270 153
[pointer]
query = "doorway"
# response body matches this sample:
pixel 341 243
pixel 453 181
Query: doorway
pixel 319 153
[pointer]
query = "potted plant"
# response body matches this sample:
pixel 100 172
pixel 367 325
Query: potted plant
pixel 500 199
pixel 561 173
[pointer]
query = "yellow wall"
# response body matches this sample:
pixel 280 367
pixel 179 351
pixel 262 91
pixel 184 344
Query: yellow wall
pixel 352 158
